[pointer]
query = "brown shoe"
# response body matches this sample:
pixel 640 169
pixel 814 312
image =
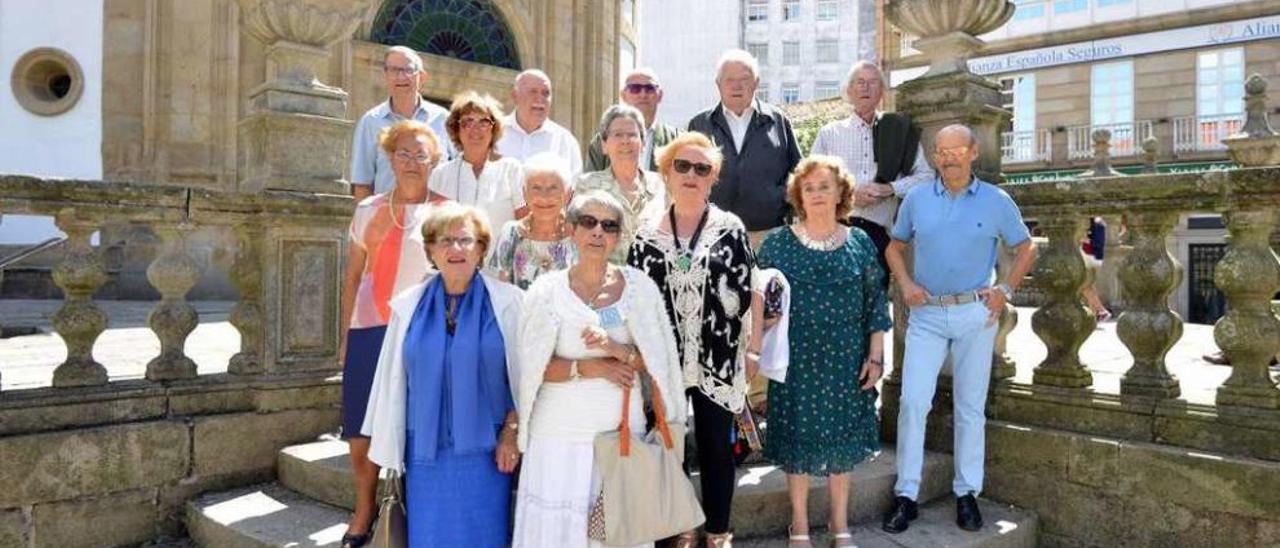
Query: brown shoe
pixel 1217 358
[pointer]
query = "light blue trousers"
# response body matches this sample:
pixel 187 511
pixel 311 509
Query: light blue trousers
pixel 932 333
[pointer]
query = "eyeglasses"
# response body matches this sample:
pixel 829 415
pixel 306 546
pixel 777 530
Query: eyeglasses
pixel 482 123
pixel 623 135
pixel 402 71
pixel 421 158
pixel 683 166
pixel 642 88
pixel 464 242
pixel 609 226
pixel 954 152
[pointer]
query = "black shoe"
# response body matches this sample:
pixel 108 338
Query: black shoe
pixel 356 541
pixel 903 512
pixel 967 515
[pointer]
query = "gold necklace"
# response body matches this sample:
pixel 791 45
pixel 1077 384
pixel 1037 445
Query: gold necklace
pixel 392 211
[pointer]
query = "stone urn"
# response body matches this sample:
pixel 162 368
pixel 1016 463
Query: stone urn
pixel 948 28
pixel 1256 144
pixel 298 34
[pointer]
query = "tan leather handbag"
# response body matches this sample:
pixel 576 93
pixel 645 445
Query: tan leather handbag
pixel 644 493
pixel 391 529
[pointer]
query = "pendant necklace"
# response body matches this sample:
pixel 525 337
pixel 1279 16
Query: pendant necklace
pixel 684 258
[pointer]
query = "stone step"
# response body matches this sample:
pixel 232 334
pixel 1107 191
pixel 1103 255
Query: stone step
pixel 263 516
pixel 1006 527
pixel 321 470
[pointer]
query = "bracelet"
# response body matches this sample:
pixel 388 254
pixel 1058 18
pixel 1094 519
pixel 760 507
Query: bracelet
pixel 573 371
pixel 754 356
pixel 631 356
pixel 513 426
pixel 875 361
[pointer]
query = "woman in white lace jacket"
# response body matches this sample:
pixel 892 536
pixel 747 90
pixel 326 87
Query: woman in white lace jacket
pixel 586 334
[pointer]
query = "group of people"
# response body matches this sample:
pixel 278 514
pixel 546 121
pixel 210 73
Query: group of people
pixel 502 308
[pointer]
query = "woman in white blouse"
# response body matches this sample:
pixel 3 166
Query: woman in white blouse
pixel 479 177
pixel 586 333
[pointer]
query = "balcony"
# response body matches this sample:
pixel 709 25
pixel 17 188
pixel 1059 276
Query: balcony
pixel 1026 146
pixel 1126 139
pixel 1193 134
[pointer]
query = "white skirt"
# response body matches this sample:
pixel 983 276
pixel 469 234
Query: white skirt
pixel 558 482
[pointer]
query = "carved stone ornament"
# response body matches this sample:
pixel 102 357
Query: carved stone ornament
pixel 948 29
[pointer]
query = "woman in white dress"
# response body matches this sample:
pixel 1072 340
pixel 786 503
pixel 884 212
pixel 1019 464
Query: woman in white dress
pixel 479 177
pixel 586 333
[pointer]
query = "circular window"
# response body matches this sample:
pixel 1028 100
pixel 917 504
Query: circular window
pixel 47 81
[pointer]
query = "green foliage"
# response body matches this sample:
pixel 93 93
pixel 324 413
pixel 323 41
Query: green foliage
pixel 807 130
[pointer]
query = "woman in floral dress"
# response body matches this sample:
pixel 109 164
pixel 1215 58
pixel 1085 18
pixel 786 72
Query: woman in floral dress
pixel 538 243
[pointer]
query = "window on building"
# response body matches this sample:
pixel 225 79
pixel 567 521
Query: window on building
pixel 826 89
pixel 790 10
pixel 828 51
pixel 1028 9
pixel 1019 96
pixel 827 10
pixel 1111 98
pixel 1109 3
pixel 790 92
pixel 1220 82
pixel 762 92
pixel 759 50
pixel 1070 6
pixel 758 10
pixel 790 53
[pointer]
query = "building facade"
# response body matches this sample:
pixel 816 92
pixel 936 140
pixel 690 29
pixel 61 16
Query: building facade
pixel 805 47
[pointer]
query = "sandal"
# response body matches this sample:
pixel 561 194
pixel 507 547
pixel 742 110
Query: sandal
pixel 842 540
pixel 722 540
pixel 687 539
pixel 797 541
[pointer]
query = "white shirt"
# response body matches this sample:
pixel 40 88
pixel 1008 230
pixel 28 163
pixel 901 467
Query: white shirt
pixel 738 125
pixel 551 137
pixel 850 140
pixel 498 192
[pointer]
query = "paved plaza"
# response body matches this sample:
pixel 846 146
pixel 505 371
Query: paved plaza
pixel 125 348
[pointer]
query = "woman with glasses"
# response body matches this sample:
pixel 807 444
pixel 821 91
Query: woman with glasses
pixel 822 420
pixel 700 258
pixel 479 177
pixel 385 258
pixel 586 333
pixel 540 242
pixel 621 135
pixel 442 410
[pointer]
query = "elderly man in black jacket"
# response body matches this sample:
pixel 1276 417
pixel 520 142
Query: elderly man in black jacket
pixel 759 147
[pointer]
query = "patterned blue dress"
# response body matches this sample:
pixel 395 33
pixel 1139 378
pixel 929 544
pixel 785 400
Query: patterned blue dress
pixel 820 421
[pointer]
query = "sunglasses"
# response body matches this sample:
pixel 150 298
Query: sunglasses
pixel 609 226
pixel 683 166
pixel 642 88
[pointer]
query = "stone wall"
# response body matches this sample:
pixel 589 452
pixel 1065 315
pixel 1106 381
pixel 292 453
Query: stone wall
pixel 112 465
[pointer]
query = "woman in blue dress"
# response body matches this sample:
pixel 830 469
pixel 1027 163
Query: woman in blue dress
pixel 822 420
pixel 442 408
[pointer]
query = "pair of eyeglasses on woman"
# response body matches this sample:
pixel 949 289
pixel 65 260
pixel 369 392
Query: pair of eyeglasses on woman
pixel 609 226
pixel 404 156
pixel 699 168
pixel 482 123
pixel 464 242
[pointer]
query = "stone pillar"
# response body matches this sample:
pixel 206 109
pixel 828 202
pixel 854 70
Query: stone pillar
pixel 1107 278
pixel 949 93
pixel 1101 156
pixel 1149 328
pixel 173 273
pixel 1063 322
pixel 1002 364
pixel 1249 334
pixel 296 137
pixel 79 321
pixel 246 273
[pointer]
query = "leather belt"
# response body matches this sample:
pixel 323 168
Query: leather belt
pixel 953 300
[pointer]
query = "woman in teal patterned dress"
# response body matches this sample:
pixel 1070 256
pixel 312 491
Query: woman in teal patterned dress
pixel 822 420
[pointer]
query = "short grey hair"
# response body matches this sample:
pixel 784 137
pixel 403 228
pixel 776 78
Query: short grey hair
pixel 861 66
pixel 639 71
pixel 582 200
pixel 621 110
pixel 547 164
pixel 536 73
pixel 738 56
pixel 415 60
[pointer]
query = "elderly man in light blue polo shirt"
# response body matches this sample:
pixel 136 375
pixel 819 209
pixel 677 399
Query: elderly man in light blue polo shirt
pixel 404 75
pixel 954 226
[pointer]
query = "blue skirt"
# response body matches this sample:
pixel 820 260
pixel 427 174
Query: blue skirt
pixel 363 347
pixel 457 500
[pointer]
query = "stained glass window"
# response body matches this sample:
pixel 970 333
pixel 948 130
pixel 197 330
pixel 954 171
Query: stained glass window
pixel 469 30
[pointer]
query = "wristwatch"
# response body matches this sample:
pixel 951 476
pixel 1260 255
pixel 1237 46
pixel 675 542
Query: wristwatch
pixel 573 370
pixel 1008 292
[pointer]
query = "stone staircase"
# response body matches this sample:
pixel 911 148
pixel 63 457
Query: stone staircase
pixel 309 505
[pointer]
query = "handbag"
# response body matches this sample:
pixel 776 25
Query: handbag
pixel 644 494
pixel 390 529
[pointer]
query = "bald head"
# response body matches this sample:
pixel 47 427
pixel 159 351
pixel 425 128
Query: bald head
pixel 959 131
pixel 955 148
pixel 532 97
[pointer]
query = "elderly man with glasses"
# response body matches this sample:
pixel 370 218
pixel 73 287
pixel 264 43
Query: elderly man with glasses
pixel 404 75
pixel 641 90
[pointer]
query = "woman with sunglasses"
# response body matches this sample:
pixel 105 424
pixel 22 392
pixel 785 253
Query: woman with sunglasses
pixel 479 177
pixel 621 135
pixel 700 258
pixel 540 242
pixel 586 333
pixel 442 410
pixel 385 258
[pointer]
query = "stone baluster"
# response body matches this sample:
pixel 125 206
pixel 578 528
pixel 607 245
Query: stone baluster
pixel 1148 327
pixel 173 273
pixel 1150 148
pixel 79 321
pixel 1249 333
pixel 1002 364
pixel 1101 156
pixel 1063 322
pixel 246 315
